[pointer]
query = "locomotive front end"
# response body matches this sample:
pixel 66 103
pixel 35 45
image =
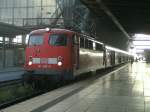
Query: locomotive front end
pixel 48 55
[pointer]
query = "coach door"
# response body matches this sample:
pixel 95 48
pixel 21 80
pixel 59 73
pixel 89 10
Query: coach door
pixel 76 51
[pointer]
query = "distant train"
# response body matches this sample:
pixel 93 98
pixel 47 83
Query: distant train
pixel 60 54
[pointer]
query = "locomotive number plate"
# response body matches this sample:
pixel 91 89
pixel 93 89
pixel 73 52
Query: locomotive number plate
pixel 43 60
pixel 52 60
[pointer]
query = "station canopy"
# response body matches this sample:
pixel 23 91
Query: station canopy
pixel 11 30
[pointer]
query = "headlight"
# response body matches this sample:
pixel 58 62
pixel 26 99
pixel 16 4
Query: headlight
pixel 59 63
pixel 30 63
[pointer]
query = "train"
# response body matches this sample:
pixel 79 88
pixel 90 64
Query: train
pixel 62 54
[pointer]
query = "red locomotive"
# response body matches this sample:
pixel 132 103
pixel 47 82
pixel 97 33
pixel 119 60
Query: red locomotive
pixel 61 54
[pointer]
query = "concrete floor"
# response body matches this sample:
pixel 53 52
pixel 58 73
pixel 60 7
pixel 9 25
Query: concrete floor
pixel 125 90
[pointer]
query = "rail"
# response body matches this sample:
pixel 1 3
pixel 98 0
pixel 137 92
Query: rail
pixel 34 93
pixel 10 82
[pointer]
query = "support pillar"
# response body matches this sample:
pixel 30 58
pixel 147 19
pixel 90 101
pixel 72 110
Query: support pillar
pixel 23 39
pixel 3 53
pixel 14 52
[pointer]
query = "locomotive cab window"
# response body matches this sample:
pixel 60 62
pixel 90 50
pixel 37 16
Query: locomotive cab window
pixel 58 40
pixel 35 40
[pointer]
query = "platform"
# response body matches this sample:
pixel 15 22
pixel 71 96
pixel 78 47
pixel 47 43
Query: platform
pixel 124 90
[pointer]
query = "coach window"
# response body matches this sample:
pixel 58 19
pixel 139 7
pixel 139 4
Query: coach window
pixel 86 43
pixel 58 40
pixel 99 47
pixel 35 40
pixel 90 44
pixel 81 42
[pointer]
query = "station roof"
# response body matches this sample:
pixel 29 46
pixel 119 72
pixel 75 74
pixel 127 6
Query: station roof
pixel 133 15
pixel 11 30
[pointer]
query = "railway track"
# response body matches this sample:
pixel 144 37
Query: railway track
pixel 10 82
pixel 32 94
pixel 20 99
pixel 35 93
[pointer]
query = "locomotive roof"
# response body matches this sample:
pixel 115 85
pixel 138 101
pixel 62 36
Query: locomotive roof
pixel 41 31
